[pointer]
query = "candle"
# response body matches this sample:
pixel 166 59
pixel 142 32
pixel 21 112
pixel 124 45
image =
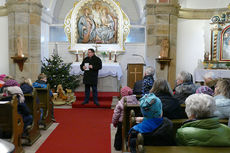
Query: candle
pixel 77 57
pixel 83 54
pixel 77 52
pixel 110 55
pixel 115 52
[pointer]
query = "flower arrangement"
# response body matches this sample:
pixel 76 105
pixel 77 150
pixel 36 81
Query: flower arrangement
pixel 103 54
pixel 228 65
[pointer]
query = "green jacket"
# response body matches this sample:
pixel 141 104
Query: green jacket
pixel 205 132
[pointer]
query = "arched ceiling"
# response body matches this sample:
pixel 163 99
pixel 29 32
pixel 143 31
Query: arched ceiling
pixel 133 8
pixel 59 8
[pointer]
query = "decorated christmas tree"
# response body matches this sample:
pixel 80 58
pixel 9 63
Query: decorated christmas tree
pixel 58 72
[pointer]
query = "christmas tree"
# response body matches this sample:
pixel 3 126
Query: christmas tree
pixel 58 72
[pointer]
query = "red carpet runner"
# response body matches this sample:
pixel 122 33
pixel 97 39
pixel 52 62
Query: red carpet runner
pixel 104 98
pixel 80 131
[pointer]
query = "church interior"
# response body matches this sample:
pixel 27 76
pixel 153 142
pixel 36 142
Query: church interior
pixel 169 36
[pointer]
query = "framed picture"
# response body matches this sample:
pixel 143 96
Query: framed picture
pixel 225 44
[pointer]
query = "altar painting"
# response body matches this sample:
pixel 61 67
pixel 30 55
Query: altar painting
pixel 97 24
pixel 225 48
pixel 93 22
pixel 220 40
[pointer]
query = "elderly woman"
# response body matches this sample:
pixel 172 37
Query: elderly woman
pixel 222 98
pixel 202 129
pixel 184 86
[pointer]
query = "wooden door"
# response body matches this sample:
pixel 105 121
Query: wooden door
pixel 135 73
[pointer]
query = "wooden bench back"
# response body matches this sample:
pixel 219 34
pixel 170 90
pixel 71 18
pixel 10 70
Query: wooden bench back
pixel 31 102
pixel 45 104
pixel 11 122
pixel 126 123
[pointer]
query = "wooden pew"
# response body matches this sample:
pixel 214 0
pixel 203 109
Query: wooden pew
pixel 177 149
pixel 46 105
pixel 181 149
pixel 11 123
pixel 126 122
pixel 33 132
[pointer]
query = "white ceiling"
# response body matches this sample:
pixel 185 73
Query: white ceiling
pixel 133 8
pixel 59 8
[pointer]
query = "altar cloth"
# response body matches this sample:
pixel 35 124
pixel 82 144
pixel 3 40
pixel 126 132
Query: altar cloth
pixel 108 69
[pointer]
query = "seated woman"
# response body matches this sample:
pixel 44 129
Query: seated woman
pixel 157 130
pixel 184 86
pixel 11 88
pixel 202 129
pixel 171 106
pixel 222 98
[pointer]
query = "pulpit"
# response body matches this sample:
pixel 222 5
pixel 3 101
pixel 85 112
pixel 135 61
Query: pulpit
pixel 135 73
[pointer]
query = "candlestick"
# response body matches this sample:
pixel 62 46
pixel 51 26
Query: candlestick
pixel 83 54
pixel 77 57
pixel 115 58
pixel 109 55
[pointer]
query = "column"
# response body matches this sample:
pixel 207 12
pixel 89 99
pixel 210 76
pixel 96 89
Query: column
pixel 161 23
pixel 24 19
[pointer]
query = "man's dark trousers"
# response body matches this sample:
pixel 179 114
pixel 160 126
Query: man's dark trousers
pixel 87 93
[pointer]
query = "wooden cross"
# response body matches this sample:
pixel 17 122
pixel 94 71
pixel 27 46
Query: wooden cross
pixel 135 74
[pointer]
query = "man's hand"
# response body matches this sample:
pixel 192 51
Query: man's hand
pixel 84 67
pixel 90 66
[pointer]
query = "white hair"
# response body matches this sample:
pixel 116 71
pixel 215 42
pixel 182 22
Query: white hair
pixel 149 70
pixel 200 105
pixel 184 76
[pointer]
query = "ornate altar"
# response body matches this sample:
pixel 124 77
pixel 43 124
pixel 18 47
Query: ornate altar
pixel 219 57
pixel 97 24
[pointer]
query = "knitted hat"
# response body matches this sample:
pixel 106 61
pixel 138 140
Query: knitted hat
pixel 205 90
pixel 125 91
pixel 151 106
pixel 10 83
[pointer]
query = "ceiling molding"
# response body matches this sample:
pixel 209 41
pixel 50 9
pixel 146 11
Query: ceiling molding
pixel 202 14
pixel 3 11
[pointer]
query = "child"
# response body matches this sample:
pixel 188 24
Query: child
pixel 42 83
pixel 127 93
pixel 157 130
pixel 26 86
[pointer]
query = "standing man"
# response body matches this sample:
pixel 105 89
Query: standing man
pixel 91 65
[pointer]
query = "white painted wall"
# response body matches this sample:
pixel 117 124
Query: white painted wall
pixel 4 58
pixel 193 39
pixel 2 2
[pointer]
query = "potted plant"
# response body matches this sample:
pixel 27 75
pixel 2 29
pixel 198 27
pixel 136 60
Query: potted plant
pixel 228 65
